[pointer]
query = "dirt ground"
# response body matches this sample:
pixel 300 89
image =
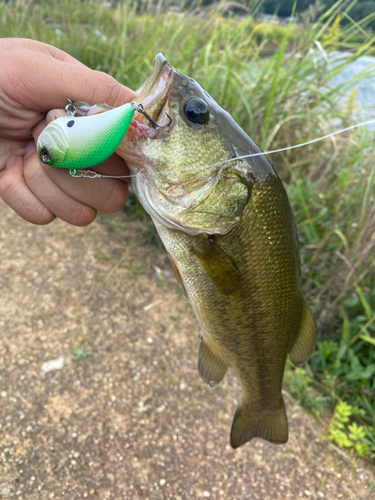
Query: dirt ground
pixel 132 419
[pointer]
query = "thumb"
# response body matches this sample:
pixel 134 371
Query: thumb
pixel 65 78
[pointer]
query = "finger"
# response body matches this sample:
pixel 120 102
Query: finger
pixel 38 129
pixel 30 148
pixel 9 148
pixel 57 200
pixel 15 192
pixel 35 46
pixel 105 195
pixel 74 81
pixel 53 114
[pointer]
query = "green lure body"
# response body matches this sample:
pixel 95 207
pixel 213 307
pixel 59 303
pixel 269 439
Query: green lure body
pixel 83 142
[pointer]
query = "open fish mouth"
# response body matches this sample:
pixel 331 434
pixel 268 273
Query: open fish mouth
pixel 153 95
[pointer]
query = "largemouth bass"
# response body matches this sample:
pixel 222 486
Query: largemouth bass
pixel 232 240
pixel 230 233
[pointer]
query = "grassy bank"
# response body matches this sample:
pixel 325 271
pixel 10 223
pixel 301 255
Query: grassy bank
pixel 280 101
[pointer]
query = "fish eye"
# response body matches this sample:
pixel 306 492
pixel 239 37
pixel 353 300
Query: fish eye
pixel 44 155
pixel 70 123
pixel 196 111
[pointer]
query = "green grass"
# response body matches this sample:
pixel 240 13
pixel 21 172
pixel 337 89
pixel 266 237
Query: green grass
pixel 280 100
pixel 81 352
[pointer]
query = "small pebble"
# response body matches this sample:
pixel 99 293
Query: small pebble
pixel 142 408
pixel 162 482
pixel 53 364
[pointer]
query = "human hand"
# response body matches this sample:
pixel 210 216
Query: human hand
pixel 35 78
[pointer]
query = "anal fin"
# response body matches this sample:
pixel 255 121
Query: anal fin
pixel 271 427
pixel 210 367
pixel 305 344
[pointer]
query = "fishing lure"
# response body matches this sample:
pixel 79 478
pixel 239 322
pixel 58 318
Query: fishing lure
pixel 83 142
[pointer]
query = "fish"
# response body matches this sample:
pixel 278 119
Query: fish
pixel 226 222
pixel 230 233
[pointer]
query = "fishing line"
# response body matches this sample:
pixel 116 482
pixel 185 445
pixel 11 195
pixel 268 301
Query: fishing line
pixel 297 145
pixel 80 173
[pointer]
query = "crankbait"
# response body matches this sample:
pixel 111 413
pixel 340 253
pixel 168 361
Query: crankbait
pixel 82 142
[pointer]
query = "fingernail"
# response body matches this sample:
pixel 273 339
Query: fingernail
pixel 11 161
pixel 30 148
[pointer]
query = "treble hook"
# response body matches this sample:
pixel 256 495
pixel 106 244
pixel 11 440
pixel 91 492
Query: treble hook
pixel 141 109
pixel 70 109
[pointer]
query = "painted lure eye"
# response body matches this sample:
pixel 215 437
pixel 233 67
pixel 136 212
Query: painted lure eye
pixel 44 156
pixel 196 111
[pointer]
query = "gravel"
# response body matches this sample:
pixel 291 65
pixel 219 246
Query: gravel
pixel 132 420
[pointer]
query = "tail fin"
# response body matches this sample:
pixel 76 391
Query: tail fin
pixel 245 426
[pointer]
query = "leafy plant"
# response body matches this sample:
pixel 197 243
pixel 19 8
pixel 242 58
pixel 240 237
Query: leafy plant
pixel 303 386
pixel 345 434
pixel 81 352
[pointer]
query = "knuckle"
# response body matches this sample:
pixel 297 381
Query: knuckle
pixel 32 169
pixel 108 87
pixel 41 216
pixel 114 198
pixel 81 215
pixel 5 185
pixel 8 184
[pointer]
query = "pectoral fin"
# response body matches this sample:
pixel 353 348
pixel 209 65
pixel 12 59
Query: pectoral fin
pixel 210 367
pixel 305 344
pixel 221 268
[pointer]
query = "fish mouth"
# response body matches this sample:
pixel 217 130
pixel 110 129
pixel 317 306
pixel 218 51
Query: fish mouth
pixel 153 96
